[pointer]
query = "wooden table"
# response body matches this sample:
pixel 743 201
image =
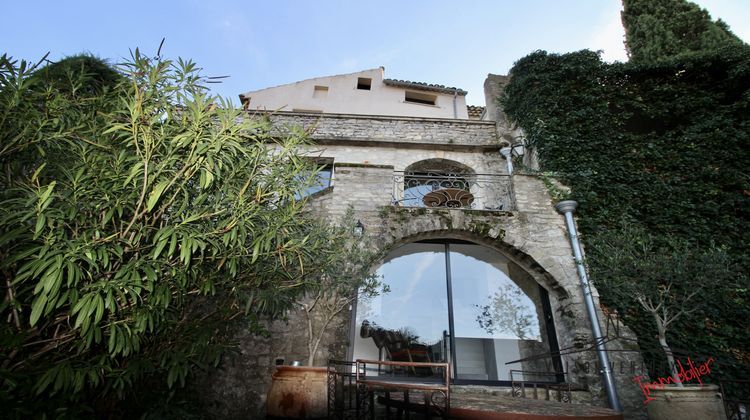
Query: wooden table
pixel 448 197
pixel 435 389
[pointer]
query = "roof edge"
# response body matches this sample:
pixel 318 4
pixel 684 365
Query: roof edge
pixel 425 86
pixel 381 68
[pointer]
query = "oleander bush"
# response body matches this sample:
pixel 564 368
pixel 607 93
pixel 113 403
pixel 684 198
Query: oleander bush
pixel 140 217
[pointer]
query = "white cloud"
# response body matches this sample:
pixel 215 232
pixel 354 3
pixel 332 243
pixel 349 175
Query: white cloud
pixel 609 37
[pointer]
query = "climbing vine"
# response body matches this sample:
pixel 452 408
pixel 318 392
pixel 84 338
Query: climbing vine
pixel 663 146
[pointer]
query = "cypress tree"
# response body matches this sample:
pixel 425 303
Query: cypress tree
pixel 661 29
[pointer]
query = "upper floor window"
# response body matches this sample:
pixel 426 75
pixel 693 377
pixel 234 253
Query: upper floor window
pixel 447 183
pixel 437 183
pixel 420 98
pixel 436 189
pixel 320 91
pixel 364 83
pixel 317 179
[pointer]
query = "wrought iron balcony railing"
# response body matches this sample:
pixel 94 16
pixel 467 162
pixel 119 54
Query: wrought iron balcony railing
pixel 449 190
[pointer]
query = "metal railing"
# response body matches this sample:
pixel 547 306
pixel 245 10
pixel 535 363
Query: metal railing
pixel 342 392
pixel 451 190
pixel 560 392
pixel 736 398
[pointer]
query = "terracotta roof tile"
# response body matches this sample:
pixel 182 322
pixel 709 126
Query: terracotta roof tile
pixel 424 86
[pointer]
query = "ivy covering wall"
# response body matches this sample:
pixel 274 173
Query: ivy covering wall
pixel 664 146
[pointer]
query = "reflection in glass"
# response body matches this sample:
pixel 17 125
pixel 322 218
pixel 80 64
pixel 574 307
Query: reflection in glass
pixel 321 180
pixel 497 319
pixel 409 322
pixel 497 313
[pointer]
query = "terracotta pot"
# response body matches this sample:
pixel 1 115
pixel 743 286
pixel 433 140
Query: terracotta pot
pixel 298 392
pixel 700 402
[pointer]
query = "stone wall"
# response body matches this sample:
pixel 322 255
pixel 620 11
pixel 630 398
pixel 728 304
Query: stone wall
pixel 488 162
pixel 533 236
pixel 366 151
pixel 238 388
pixel 359 129
pixel 493 89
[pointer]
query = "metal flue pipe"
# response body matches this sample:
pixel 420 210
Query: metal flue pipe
pixel 566 208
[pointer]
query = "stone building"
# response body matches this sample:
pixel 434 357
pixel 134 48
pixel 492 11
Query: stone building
pixel 478 262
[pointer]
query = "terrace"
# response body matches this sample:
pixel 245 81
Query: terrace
pixel 424 390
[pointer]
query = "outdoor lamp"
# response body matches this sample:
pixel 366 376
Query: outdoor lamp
pixel 359 228
pixel 510 152
pixel 518 149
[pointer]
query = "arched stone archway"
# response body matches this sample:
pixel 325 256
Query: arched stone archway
pixel 438 165
pixel 453 300
pixel 482 234
pixel 535 241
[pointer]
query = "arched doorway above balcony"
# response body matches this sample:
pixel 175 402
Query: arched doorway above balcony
pixel 437 183
pixel 439 166
pixel 444 183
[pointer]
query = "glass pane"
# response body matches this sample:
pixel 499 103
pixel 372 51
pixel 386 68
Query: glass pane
pixel 322 181
pixel 497 319
pixel 410 321
pixel 414 196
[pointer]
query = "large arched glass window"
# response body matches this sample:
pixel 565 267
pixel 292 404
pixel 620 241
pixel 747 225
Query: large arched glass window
pixel 462 303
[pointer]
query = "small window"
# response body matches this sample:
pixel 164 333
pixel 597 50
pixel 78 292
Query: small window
pixel 317 179
pixel 420 98
pixel 364 83
pixel 320 91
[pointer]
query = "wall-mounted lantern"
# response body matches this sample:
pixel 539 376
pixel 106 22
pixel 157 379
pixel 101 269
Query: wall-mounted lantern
pixel 510 152
pixel 359 228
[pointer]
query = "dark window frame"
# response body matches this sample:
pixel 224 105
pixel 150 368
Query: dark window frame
pixel 364 83
pixel 550 329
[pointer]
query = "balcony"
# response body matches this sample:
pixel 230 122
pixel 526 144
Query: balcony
pixel 450 190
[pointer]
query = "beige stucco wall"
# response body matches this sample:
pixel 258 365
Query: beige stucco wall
pixel 343 97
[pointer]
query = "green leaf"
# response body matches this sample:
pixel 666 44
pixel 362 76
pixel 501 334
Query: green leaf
pixel 159 247
pixel 78 306
pixel 150 273
pixel 135 170
pixel 172 375
pixel 256 251
pixel 156 193
pixel 99 309
pixel 206 178
pixel 37 308
pixel 45 380
pixel 46 194
pixel 37 172
pixel 40 221
pixel 112 342
pixel 172 245
pixel 185 250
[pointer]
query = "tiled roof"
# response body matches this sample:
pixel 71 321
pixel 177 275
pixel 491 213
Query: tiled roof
pixel 475 111
pixel 424 86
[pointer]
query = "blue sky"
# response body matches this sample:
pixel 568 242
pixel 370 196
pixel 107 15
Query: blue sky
pixel 267 43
